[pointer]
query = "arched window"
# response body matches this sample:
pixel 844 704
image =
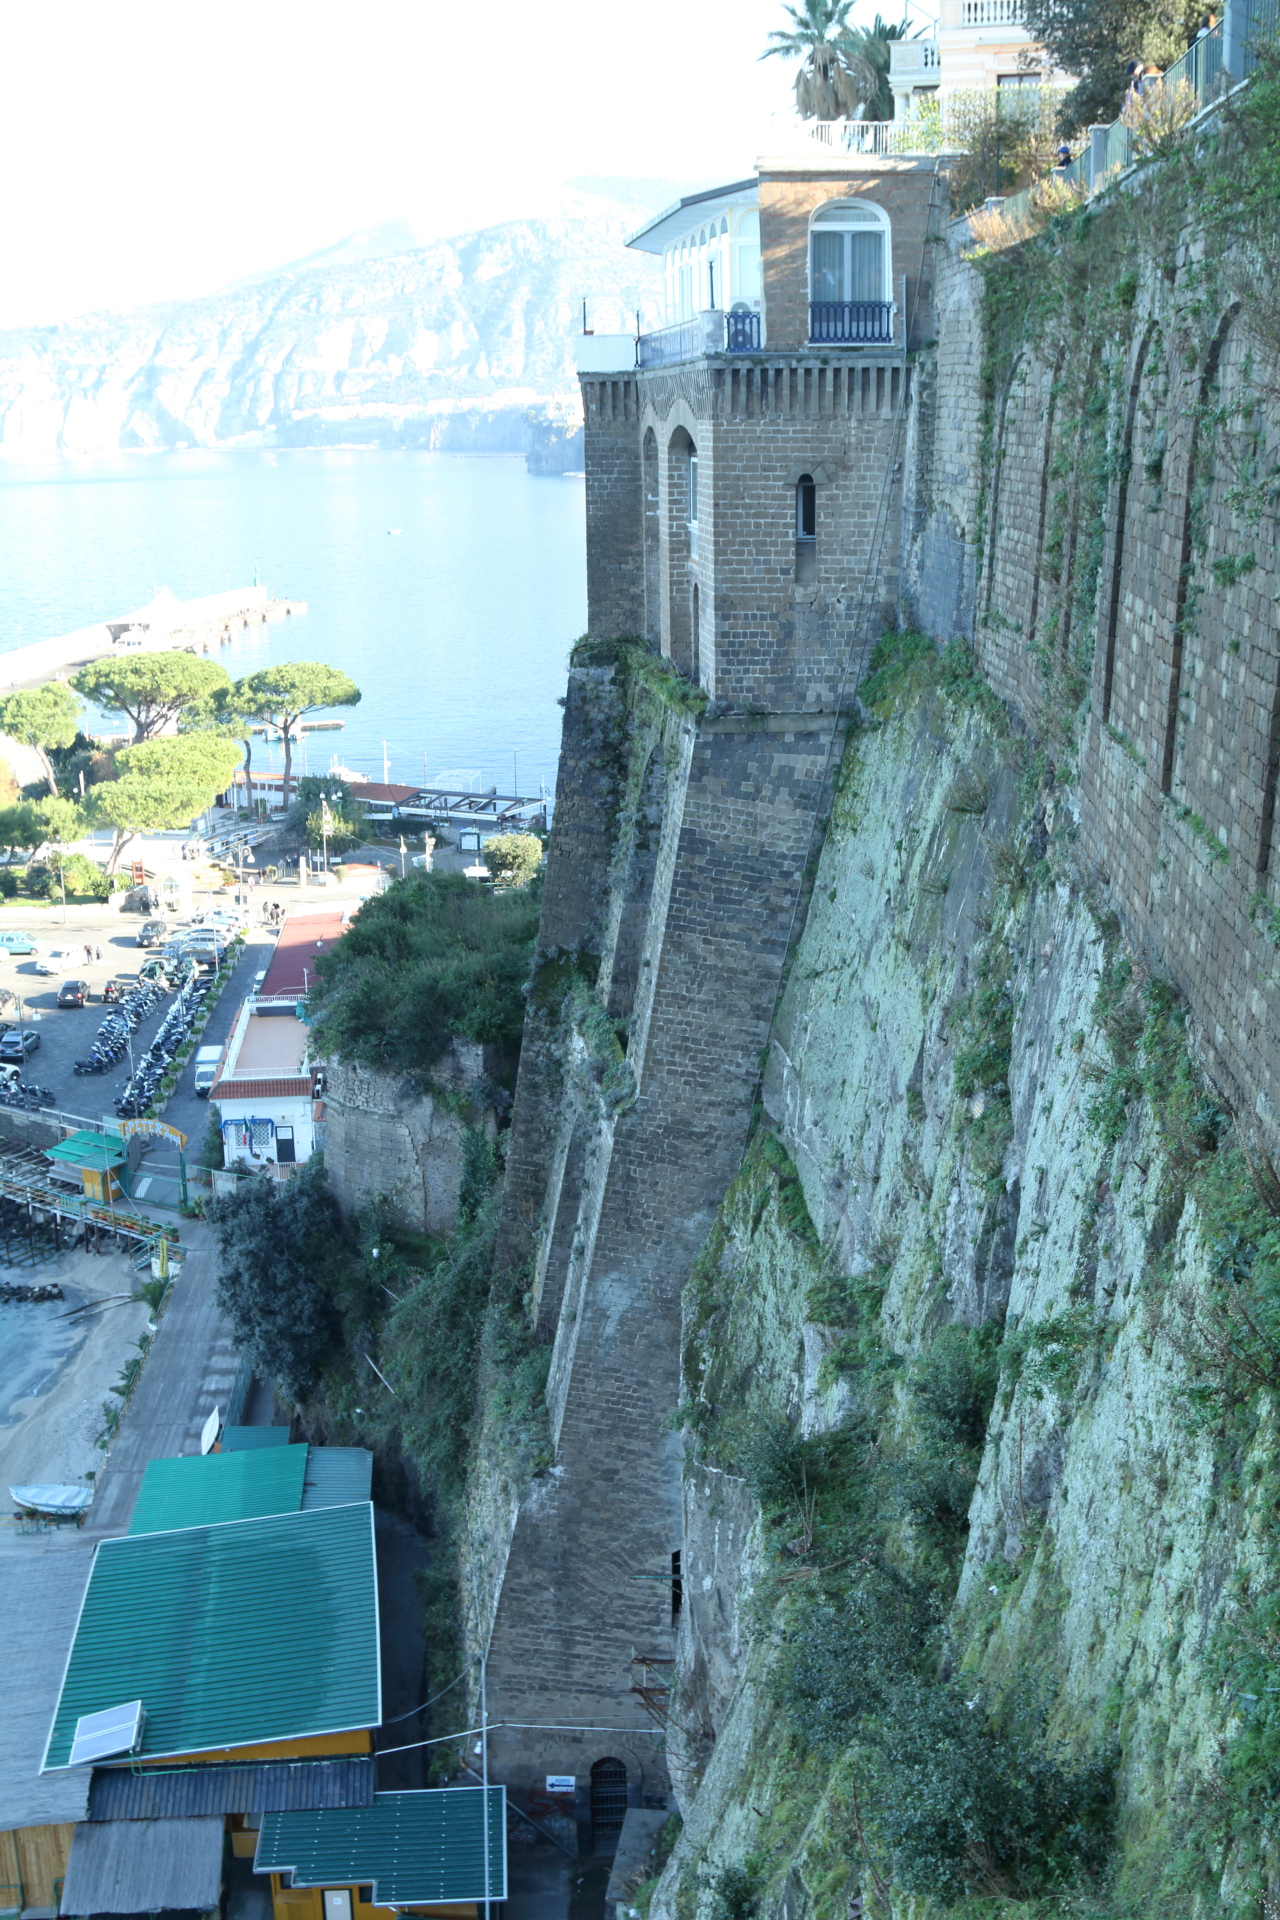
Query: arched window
pixel 747 258
pixel 693 504
pixel 850 286
pixel 806 530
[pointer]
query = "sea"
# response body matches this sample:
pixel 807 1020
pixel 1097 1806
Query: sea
pixel 449 586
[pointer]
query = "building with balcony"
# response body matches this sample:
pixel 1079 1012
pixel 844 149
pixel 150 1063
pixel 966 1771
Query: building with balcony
pixel 979 44
pixel 743 475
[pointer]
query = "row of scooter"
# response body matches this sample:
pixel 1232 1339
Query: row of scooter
pixel 112 1040
pixel 141 1089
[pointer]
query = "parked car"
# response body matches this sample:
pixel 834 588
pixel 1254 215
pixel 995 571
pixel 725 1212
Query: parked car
pixel 153 933
pixel 57 960
pixel 14 942
pixel 73 993
pixel 16 1045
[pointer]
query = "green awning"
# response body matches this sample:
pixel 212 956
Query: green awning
pixel 412 1847
pixel 230 1635
pixel 87 1149
pixel 204 1489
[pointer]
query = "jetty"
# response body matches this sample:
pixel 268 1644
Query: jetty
pixel 166 624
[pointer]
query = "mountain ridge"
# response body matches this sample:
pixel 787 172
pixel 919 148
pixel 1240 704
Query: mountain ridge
pixel 443 345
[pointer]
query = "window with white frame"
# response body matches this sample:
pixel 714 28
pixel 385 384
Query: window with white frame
pixel 849 253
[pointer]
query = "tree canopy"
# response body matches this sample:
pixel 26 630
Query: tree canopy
pixel 835 77
pixel 284 694
pixel 150 689
pixel 163 785
pixel 513 858
pixel 432 959
pixel 43 718
pixel 1098 39
pixel 272 1239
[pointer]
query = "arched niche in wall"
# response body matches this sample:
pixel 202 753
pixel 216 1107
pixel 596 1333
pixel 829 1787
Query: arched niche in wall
pixel 682 545
pixel 652 532
pixel 637 888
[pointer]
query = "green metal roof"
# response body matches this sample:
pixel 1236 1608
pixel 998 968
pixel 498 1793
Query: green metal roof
pixel 336 1476
pixel 242 1439
pixel 86 1149
pixel 230 1635
pixel 413 1847
pixel 200 1490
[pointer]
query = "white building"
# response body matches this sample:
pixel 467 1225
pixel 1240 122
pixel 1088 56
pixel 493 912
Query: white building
pixel 265 1087
pixel 979 43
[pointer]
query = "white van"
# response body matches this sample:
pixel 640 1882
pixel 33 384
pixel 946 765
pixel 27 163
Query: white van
pixel 207 1059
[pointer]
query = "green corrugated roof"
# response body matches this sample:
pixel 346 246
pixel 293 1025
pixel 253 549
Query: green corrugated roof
pixel 413 1847
pixel 230 1635
pixel 200 1490
pixel 86 1149
pixel 337 1475
pixel 245 1439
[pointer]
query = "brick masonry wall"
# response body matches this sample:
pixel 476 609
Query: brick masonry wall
pixel 789 196
pixel 1176 779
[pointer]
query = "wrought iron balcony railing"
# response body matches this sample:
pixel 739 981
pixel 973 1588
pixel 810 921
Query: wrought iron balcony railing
pixel 710 332
pixel 851 323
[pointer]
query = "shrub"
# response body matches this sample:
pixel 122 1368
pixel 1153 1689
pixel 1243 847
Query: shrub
pixel 431 959
pixel 968 1808
pixel 954 1383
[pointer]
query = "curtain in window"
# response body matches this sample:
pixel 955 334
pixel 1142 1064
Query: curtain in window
pixel 829 267
pixel 866 251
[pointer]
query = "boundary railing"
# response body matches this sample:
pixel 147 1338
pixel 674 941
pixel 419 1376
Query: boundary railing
pixel 1212 64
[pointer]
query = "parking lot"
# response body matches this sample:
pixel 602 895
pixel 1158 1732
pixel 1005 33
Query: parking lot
pixel 66 1034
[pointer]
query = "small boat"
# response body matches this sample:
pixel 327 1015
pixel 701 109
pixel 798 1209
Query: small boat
pixel 61 1503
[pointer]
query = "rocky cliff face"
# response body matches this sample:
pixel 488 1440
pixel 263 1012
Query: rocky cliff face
pixel 444 345
pixel 978 1529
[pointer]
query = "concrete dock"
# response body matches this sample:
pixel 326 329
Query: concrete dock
pixel 167 623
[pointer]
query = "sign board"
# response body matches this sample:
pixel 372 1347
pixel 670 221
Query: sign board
pixel 210 1430
pixel 562 1783
pixel 131 1127
pixel 139 874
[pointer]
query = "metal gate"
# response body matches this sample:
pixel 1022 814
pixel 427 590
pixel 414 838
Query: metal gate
pixel 608 1803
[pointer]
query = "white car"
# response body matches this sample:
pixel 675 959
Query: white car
pixel 60 960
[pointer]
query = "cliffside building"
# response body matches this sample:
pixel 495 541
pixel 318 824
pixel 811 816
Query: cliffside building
pixel 743 470
pixel 979 44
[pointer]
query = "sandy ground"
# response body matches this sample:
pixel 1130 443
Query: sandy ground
pixel 56 1373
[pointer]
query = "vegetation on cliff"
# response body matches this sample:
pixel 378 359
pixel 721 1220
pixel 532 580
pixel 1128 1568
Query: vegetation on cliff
pixel 433 959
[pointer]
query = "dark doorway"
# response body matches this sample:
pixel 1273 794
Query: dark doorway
pixel 286 1155
pixel 608 1804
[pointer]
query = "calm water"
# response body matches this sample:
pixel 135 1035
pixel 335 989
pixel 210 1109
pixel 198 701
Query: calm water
pixel 456 627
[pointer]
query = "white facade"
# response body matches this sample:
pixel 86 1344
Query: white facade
pixel 710 247
pixel 265 1088
pixel 980 43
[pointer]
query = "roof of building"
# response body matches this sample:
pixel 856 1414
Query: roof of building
pixel 120 1793
pixel 199 1490
pixel 245 1482
pixel 41 1587
pixel 303 937
pixel 302 1088
pixel 131 1866
pixel 230 1636
pixel 383 793
pixel 412 1847
pixel 675 221
pixel 86 1149
pixel 242 1439
pixel 336 1476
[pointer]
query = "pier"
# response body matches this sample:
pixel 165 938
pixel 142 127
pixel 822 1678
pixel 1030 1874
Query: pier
pixel 166 624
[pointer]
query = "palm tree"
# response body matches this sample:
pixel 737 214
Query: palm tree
pixel 834 78
pixel 867 49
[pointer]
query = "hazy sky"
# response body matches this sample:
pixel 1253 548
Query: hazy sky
pixel 152 151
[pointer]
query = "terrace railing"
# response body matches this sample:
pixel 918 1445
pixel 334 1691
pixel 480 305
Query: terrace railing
pixel 849 323
pixel 709 332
